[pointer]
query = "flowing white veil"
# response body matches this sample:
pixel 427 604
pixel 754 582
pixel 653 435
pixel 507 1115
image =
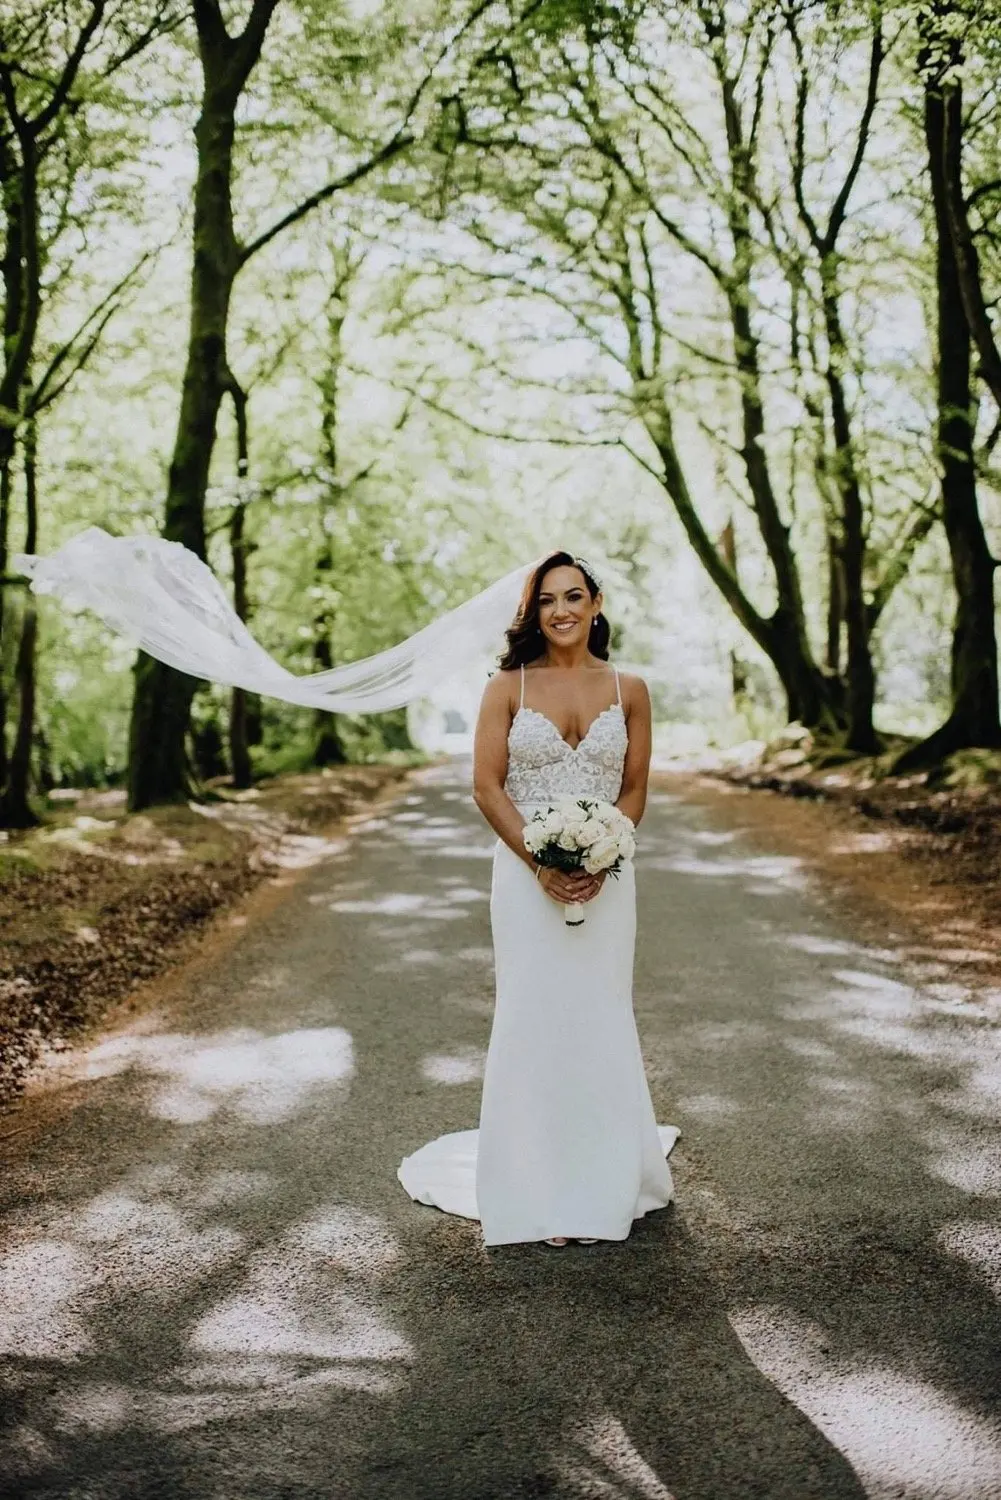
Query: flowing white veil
pixel 162 597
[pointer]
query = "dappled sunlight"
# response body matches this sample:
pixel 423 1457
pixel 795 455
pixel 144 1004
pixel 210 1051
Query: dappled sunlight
pixel 285 849
pixel 708 1107
pixel 229 1308
pixel 300 851
pixel 144 1235
pixel 448 902
pixel 869 842
pixel 973 1167
pixel 978 1246
pixel 781 872
pixel 906 1439
pixel 830 947
pixel 260 1079
pixel 600 1459
pixel 393 903
pixel 723 1033
pixel 41 1283
pixel 864 1005
pixel 465 1065
pixel 466 895
pixel 806 1047
pixel 151 1247
pixel 483 853
pixel 297 1319
pixel 305 1299
pixel 848 1105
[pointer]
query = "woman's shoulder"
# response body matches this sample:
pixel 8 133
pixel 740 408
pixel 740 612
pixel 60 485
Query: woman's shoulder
pixel 633 687
pixel 501 684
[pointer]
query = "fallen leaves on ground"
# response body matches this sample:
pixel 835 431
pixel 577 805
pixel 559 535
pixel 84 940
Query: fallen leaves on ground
pixel 97 902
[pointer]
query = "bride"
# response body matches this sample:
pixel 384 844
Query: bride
pixel 567 1146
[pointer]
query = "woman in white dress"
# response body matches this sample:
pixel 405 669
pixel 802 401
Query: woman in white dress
pixel 567 1147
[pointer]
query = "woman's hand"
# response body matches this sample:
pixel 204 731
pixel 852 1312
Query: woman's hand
pixel 569 886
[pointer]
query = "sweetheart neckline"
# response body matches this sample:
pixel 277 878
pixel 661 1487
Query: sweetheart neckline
pixel 524 709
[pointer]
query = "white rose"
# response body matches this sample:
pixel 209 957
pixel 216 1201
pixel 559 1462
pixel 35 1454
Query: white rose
pixel 553 825
pixel 590 831
pixel 568 839
pixel 627 845
pixel 535 837
pixel 601 855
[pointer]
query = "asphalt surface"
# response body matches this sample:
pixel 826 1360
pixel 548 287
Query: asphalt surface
pixel 212 1285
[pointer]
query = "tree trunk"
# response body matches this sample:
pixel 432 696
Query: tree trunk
pixel 835 605
pixel 15 804
pixel 811 698
pixel 239 713
pixel 860 682
pixel 158 767
pixel 239 745
pixel 974 719
pixel 328 749
pixel 727 544
pixel 5 489
pixel 19 272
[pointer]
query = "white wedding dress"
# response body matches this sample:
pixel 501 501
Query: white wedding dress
pixel 568 1142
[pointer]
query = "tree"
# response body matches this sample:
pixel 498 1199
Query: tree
pixel 157 770
pixel 52 65
pixel 607 194
pixel 974 717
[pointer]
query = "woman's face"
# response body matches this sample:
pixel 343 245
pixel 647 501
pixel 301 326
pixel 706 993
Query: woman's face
pixel 566 608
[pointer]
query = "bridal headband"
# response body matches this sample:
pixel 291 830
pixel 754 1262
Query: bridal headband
pixel 585 567
pixel 164 599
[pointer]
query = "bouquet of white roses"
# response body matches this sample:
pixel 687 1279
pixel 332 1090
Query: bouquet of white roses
pixel 577 833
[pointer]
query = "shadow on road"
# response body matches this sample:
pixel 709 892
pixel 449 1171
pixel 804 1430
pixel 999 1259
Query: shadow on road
pixel 211 1283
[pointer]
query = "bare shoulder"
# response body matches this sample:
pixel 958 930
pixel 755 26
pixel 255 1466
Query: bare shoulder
pixel 501 691
pixel 635 693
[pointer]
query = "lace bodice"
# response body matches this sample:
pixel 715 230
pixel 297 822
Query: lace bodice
pixel 542 766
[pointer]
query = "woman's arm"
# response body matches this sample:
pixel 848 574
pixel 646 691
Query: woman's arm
pixel 490 765
pixel 636 771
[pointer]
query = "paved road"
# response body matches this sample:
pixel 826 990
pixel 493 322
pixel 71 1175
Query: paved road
pixel 212 1286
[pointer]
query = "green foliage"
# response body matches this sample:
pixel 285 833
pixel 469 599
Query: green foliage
pixel 461 360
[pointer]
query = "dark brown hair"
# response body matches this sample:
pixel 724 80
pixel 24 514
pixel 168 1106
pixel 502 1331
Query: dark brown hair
pixel 525 640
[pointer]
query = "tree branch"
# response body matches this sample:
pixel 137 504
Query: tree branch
pixel 392 148
pixel 69 74
pixel 102 313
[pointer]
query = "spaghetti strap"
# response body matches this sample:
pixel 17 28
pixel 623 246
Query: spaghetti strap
pixel 618 687
pixel 522 703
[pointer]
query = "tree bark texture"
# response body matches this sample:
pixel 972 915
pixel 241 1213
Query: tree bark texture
pixel 239 703
pixel 16 810
pixel 974 718
pixel 328 748
pixel 158 763
pixel 860 677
